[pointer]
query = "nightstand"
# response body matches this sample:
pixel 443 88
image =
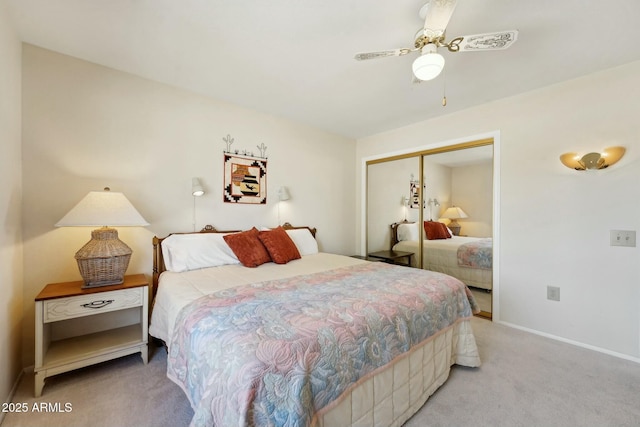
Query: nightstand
pixel 393 257
pixel 78 327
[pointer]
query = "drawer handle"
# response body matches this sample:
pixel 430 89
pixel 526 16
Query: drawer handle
pixel 98 304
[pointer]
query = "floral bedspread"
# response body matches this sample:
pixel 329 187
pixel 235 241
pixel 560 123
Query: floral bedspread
pixel 477 254
pixel 274 353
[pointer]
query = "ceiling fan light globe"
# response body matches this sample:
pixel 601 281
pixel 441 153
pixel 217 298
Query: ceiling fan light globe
pixel 428 66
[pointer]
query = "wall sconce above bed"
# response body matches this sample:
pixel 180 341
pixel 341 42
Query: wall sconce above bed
pixel 430 203
pixel 196 191
pixel 283 196
pixel 196 188
pixel 593 160
pixel 404 202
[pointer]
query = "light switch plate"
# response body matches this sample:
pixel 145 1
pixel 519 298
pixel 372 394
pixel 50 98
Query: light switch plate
pixel 623 238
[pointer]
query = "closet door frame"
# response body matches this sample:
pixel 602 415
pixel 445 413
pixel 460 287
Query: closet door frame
pixel 493 140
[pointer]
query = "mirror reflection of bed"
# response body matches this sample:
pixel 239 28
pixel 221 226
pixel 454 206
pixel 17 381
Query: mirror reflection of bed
pixel 466 258
pixel 462 178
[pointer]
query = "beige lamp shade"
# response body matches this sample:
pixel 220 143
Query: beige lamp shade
pixel 103 208
pixel 453 213
pixel 104 259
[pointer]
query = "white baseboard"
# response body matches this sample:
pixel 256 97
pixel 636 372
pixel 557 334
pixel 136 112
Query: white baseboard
pixel 576 343
pixel 12 393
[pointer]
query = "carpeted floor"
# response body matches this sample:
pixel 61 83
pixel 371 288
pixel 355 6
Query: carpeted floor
pixel 529 380
pixel 525 380
pixel 119 393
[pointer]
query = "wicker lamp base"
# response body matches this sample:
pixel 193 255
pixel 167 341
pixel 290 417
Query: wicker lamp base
pixel 454 227
pixel 104 259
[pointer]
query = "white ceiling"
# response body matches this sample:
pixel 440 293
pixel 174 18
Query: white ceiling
pixel 294 58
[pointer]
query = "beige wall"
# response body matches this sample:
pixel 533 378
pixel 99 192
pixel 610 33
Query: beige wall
pixel 87 126
pixel 554 222
pixel 472 190
pixel 437 179
pixel 10 207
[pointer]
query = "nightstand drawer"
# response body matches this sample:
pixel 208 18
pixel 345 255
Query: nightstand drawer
pixel 87 305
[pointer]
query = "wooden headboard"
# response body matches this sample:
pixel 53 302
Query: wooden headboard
pixel 394 232
pixel 158 260
pixel 288 226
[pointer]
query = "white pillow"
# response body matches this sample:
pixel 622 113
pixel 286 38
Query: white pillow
pixel 184 252
pixel 304 240
pixel 407 232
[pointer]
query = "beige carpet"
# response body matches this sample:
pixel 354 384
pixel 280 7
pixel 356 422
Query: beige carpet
pixel 119 393
pixel 525 380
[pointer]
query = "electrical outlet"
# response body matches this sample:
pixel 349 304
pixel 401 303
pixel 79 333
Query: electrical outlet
pixel 623 238
pixel 553 293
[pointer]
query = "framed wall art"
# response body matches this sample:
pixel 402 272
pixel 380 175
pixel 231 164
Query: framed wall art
pixel 414 194
pixel 245 179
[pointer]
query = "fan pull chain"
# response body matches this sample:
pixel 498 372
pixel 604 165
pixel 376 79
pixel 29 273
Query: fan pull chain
pixel 444 89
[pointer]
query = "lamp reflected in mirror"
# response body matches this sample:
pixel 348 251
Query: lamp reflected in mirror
pixel 453 213
pixel 430 203
pixel 404 201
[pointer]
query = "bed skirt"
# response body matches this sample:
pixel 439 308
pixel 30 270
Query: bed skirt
pixel 393 393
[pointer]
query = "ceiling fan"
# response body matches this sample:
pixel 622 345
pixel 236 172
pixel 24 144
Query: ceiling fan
pixel 436 15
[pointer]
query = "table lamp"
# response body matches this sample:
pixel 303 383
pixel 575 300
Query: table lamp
pixel 104 259
pixel 453 213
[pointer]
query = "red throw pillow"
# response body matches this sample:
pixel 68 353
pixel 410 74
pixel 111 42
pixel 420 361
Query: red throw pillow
pixel 279 245
pixel 248 248
pixel 436 230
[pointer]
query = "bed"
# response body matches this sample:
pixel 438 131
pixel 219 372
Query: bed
pixel 469 259
pixel 319 340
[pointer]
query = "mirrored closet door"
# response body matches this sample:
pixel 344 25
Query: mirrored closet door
pixel 409 196
pixel 393 197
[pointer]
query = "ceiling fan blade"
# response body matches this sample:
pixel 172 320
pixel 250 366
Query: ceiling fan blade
pixel 488 41
pixel 436 14
pixel 381 54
